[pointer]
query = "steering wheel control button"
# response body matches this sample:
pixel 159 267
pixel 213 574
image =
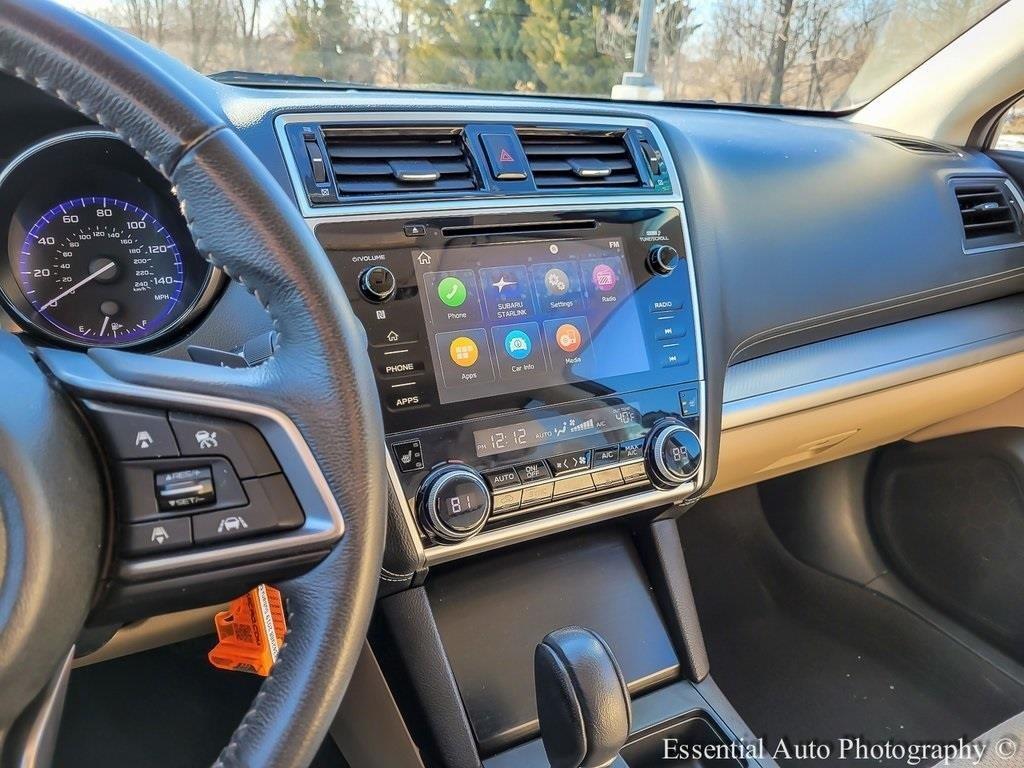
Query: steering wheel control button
pixel 185 488
pixel 272 508
pixel 133 433
pixel 156 537
pixel 576 461
pixel 454 503
pixel 500 479
pixel 409 455
pixel 673 454
pixel 377 284
pixel 504 156
pixel 242 444
pixel 662 259
pixel 137 487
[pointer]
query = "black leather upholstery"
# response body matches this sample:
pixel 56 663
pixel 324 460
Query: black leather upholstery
pixel 582 699
pixel 243 221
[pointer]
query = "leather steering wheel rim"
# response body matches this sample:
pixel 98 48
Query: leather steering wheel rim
pixel 242 221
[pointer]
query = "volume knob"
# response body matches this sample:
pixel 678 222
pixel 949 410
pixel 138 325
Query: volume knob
pixel 377 284
pixel 672 454
pixel 454 503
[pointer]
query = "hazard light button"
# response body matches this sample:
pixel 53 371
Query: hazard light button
pixel 505 156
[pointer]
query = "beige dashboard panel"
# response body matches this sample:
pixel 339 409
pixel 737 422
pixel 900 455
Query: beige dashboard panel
pixel 777 446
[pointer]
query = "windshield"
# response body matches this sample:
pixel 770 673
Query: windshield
pixel 810 54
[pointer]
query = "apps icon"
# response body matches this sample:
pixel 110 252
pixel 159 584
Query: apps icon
pixel 518 344
pixel 464 352
pixel 604 278
pixel 452 292
pixel 568 337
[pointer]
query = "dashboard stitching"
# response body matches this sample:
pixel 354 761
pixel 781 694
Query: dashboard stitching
pixel 879 306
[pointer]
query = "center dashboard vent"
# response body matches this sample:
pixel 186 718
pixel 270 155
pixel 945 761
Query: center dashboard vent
pixel 571 159
pixel 989 212
pixel 390 161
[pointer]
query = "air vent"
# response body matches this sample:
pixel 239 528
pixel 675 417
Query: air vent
pixel 918 145
pixel 573 159
pixel 400 161
pixel 988 211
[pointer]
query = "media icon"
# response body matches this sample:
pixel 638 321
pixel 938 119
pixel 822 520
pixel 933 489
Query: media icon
pixel 518 345
pixel 568 337
pixel 464 352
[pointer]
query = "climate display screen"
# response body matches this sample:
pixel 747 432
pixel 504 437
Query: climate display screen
pixel 515 317
pixel 554 429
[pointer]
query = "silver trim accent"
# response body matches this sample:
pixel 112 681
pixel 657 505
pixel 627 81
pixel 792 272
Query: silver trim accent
pixel 441 530
pixel 428 117
pixel 324 523
pixel 214 278
pixel 659 461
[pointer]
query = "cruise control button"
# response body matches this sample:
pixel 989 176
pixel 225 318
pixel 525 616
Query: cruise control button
pixel 605 456
pixel 533 470
pixel 159 536
pixel 135 485
pixel 500 479
pixel 570 462
pixel 133 433
pixel 242 444
pixel 272 507
pixel 185 488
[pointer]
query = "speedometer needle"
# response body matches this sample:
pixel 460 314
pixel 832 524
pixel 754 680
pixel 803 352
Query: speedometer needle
pixel 53 302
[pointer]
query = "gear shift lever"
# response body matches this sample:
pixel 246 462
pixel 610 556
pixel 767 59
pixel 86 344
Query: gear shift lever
pixel 582 700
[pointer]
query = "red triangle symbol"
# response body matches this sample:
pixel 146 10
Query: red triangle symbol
pixel 505 157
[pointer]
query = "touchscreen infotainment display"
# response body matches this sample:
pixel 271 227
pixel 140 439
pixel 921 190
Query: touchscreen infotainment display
pixel 521 316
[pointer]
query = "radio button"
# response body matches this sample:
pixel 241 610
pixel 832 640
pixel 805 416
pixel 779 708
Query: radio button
pixel 631 450
pixel 506 502
pixel 499 479
pixel 534 470
pixel 570 462
pixel 631 473
pixel 666 304
pixel 607 478
pixel 605 456
pixel 571 486
pixel 537 494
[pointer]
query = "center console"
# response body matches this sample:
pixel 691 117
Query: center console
pixel 536 370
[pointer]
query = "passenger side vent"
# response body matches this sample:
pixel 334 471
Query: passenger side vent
pixel 988 211
pixel 396 161
pixel 918 145
pixel 573 159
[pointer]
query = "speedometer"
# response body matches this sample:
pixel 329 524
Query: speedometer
pixel 101 270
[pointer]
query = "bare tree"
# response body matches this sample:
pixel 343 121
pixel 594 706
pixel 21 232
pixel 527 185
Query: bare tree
pixel 146 19
pixel 247 29
pixel 205 20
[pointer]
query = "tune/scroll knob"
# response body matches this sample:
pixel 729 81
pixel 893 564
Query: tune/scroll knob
pixel 377 284
pixel 672 454
pixel 454 502
pixel 662 259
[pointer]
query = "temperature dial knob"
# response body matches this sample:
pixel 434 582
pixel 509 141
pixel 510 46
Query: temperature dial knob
pixel 453 503
pixel 662 259
pixel 672 454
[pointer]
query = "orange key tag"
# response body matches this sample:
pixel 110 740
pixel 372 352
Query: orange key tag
pixel 250 632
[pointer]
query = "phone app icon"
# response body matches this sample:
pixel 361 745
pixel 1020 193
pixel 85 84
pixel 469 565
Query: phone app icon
pixel 604 278
pixel 464 352
pixel 518 345
pixel 568 337
pixel 452 292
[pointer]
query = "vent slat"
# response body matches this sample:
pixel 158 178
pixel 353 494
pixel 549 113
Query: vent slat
pixel 412 161
pixel 918 145
pixel 579 159
pixel 987 212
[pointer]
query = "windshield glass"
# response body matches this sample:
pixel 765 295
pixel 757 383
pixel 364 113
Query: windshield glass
pixel 811 54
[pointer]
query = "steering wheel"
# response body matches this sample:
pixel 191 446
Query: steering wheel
pixel 54 520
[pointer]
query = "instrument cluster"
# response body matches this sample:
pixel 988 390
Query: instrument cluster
pixel 98 253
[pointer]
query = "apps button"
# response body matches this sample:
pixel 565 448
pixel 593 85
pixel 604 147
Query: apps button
pixel 519 350
pixel 464 357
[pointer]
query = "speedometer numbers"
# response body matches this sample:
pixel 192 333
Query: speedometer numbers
pixel 102 271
